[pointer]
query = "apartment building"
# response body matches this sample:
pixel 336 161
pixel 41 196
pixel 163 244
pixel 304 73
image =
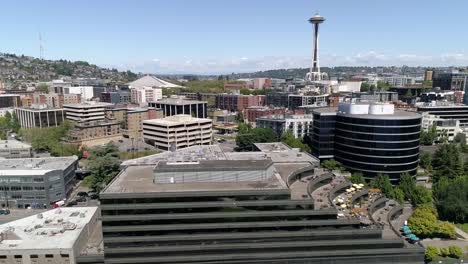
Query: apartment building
pixel 14 149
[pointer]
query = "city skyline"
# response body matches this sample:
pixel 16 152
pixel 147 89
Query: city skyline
pixel 207 37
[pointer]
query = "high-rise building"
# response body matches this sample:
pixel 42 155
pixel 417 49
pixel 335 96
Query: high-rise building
pixel 428 74
pixel 142 96
pixel 178 131
pixel 370 138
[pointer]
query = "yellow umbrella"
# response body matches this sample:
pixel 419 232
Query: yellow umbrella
pixel 352 189
pixel 343 206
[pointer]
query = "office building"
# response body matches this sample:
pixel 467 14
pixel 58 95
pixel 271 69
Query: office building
pixel 86 92
pixel 370 138
pixel 86 112
pixel 40 116
pixel 178 106
pixel 134 119
pixel 261 83
pixel 57 236
pixel 141 96
pixel 238 102
pixel 447 111
pixel 375 97
pixel 36 182
pixel 14 149
pixel 450 80
pixel 446 129
pixel 54 100
pixel 10 100
pixel 298 125
pixel 204 205
pixel 279 99
pixel 178 131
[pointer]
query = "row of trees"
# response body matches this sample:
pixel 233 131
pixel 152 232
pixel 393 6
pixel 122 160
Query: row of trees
pixel 248 136
pixel 50 139
pixel 425 223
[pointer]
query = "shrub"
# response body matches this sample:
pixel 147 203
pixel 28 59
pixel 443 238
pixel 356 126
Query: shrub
pixel 431 253
pixel 445 230
pixel 444 252
pixel 455 252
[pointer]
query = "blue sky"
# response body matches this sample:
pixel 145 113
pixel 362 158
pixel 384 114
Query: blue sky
pixel 214 36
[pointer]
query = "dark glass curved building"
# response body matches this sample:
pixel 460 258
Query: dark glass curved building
pixel 373 139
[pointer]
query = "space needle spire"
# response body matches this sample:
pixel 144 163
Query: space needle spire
pixel 315 74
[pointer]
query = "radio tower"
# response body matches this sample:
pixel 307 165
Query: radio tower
pixel 41 48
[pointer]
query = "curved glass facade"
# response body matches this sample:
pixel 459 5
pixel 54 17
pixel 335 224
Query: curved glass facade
pixel 377 146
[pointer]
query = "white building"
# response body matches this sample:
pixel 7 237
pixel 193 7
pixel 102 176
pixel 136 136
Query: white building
pixel 15 149
pixel 86 92
pixel 86 112
pixel 446 128
pixel 399 80
pixel 298 125
pixel 143 95
pixel 55 236
pixel 178 131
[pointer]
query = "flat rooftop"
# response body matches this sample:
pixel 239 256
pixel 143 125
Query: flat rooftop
pixel 138 174
pixel 34 166
pixel 13 144
pixel 178 101
pixel 398 114
pixel 88 105
pixel 176 120
pixel 140 179
pixel 212 165
pixel 53 229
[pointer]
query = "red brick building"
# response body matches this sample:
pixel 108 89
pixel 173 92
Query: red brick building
pixel 234 102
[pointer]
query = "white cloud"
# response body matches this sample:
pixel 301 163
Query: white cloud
pixel 244 64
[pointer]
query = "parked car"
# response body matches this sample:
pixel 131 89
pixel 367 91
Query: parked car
pixel 80 199
pixel 82 194
pixel 4 211
pixel 72 203
pixel 93 195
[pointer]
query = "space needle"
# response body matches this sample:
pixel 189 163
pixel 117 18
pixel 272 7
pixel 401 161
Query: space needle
pixel 315 74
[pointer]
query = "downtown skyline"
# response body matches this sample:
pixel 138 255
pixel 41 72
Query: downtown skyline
pixel 206 37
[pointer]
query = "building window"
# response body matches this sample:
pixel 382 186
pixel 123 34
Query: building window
pixel 49 256
pixel 34 256
pixel 18 256
pixel 64 255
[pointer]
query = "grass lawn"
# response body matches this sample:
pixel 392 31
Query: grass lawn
pixel 463 227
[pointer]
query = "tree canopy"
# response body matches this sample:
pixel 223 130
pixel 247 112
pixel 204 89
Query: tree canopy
pixel 104 165
pixel 332 164
pixel 248 136
pixel 289 139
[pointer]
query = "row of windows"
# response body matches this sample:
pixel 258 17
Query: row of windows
pixel 378 145
pixel 385 160
pixel 19 188
pixel 34 256
pixel 21 179
pixel 381 130
pixel 378 122
pixel 378 168
pixel 377 137
pixel 378 152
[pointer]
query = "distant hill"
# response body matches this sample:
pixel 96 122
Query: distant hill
pixel 14 68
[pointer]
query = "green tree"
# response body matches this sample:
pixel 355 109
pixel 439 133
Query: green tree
pixel 407 185
pixel 447 162
pixel 397 195
pixel 444 252
pixel 365 87
pixel 357 178
pixel 14 123
pixel 332 165
pixel 383 183
pixel 420 195
pixel 247 136
pixel 289 139
pixel 383 85
pixel 425 160
pixel 451 199
pixel 104 166
pixel 431 253
pixel 455 252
